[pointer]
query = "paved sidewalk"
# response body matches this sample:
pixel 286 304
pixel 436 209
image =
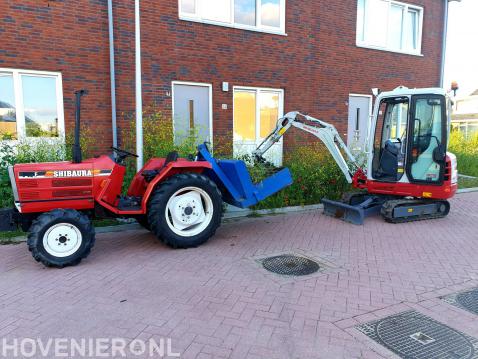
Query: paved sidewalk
pixel 215 301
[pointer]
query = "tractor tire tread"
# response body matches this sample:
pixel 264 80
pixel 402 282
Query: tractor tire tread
pixel 42 222
pixel 160 197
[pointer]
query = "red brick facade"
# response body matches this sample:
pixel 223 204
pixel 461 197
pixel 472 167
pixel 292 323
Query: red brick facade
pixel 317 64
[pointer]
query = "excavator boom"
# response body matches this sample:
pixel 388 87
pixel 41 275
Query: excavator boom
pixel 324 131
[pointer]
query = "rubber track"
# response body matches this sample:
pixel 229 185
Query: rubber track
pixel 389 206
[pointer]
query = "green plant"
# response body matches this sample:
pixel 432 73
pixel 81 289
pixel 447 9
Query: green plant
pixel 7 157
pixel 314 171
pixel 466 151
pixel 315 174
pixel 158 139
pixel 464 182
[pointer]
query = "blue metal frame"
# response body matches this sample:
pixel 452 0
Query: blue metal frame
pixel 240 191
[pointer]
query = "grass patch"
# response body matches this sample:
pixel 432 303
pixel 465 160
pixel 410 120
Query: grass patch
pixel 5 237
pixel 467 182
pixel 254 214
pixel 106 222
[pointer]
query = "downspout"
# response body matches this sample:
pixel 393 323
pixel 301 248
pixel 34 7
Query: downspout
pixel 443 46
pixel 139 100
pixel 112 73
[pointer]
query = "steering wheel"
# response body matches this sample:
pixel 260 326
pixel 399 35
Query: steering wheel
pixel 122 154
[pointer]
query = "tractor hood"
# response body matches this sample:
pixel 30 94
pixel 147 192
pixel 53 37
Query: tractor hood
pixel 56 184
pixel 53 170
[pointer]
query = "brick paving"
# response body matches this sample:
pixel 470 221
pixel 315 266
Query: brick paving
pixel 215 301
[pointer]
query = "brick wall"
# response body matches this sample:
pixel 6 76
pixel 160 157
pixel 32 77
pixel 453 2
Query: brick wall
pixel 62 36
pixel 317 64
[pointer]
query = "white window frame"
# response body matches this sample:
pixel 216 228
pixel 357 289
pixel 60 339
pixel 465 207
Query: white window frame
pixel 198 17
pixel 200 84
pixel 257 91
pixel 365 44
pixel 19 108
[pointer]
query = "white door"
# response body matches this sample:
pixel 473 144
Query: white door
pixel 192 113
pixel 256 111
pixel 358 121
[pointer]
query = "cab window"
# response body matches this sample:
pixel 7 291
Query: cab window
pixel 429 137
pixel 390 139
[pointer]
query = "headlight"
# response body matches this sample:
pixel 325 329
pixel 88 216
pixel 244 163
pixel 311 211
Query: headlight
pixel 11 174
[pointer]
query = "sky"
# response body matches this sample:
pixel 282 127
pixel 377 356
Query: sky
pixel 462 46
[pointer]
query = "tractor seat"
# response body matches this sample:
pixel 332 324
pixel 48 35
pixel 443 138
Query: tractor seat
pixel 149 175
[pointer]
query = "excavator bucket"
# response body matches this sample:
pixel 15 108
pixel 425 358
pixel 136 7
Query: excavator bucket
pixel 353 213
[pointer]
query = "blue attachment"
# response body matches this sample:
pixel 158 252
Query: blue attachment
pixel 234 177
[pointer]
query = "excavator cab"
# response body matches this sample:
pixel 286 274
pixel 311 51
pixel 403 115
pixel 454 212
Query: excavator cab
pixel 410 138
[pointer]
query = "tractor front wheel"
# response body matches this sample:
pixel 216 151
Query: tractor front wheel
pixel 185 210
pixel 60 238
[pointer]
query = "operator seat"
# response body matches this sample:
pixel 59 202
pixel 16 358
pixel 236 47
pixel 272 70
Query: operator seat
pixel 389 160
pixel 150 174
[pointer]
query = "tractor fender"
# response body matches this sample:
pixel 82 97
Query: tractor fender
pixel 171 169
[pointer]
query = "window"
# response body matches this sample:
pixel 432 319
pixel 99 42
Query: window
pixel 468 128
pixel 258 15
pixel 256 111
pixel 31 104
pixel 390 139
pixel 389 25
pixel 8 116
pixel 429 123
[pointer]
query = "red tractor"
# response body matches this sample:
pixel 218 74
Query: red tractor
pixel 179 200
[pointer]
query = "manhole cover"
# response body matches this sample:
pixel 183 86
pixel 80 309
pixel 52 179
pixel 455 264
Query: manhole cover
pixel 288 264
pixel 414 335
pixel 466 300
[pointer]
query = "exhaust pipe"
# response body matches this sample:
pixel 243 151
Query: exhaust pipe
pixel 76 146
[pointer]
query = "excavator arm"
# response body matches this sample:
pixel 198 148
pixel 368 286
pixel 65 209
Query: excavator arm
pixel 326 132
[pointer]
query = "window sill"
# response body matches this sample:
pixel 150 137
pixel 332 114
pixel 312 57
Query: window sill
pixel 365 46
pixel 233 26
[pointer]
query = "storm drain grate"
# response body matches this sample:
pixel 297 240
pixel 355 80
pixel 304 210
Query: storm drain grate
pixel 288 264
pixel 465 300
pixel 414 335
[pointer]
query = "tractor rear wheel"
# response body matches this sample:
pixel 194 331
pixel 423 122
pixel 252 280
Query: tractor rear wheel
pixel 60 238
pixel 185 210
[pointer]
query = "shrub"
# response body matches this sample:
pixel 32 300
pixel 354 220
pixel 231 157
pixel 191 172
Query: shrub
pixel 158 140
pixel 466 151
pixel 315 174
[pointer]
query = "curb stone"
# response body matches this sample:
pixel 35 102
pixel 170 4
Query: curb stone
pixel 231 213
